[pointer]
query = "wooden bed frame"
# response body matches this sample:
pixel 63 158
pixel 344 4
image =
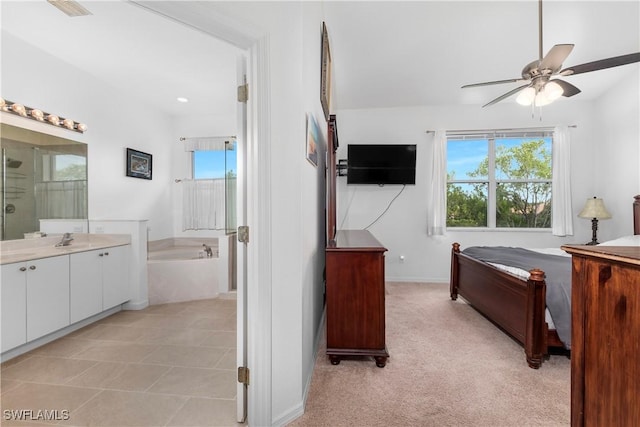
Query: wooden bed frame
pixel 515 305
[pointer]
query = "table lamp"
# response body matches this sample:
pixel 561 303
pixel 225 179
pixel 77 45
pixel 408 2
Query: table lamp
pixel 594 209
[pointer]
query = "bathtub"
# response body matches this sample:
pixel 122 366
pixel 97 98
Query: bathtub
pixel 178 270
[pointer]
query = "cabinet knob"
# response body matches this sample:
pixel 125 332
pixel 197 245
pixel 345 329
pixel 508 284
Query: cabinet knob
pixel 23 268
pixel 32 267
pixel 100 254
pixel 106 254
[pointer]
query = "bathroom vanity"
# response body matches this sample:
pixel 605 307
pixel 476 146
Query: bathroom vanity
pixel 48 290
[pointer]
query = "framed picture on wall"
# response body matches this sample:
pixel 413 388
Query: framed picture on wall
pixel 325 74
pixel 313 135
pixel 139 164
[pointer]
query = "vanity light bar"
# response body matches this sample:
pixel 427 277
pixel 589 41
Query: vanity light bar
pixel 41 116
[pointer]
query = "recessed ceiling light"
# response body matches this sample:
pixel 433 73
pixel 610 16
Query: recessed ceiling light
pixel 182 99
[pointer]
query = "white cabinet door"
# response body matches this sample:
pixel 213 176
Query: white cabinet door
pixel 13 305
pixel 115 275
pixel 85 284
pixel 47 295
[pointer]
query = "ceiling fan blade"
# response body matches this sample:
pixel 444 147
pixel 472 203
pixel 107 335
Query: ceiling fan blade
pixel 602 64
pixel 497 82
pixel 555 57
pixel 506 95
pixel 567 88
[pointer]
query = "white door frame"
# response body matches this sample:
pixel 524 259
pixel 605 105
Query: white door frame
pixel 241 248
pixel 203 16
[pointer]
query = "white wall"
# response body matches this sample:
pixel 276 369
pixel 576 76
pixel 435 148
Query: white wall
pixel 313 197
pixel 297 187
pixel 115 121
pixel 617 162
pixel 403 228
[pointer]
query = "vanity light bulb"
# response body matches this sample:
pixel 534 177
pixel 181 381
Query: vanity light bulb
pixel 54 120
pixel 19 109
pixel 81 127
pixel 68 123
pixel 37 114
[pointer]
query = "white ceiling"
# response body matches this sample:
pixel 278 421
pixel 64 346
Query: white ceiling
pixel 138 52
pixel 384 54
pixel 430 49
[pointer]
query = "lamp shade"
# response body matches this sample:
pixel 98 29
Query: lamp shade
pixel 594 208
pixel 527 96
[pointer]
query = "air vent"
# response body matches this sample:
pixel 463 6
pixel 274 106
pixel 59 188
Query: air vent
pixel 70 7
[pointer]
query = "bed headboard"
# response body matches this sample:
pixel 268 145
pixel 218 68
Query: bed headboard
pixel 636 215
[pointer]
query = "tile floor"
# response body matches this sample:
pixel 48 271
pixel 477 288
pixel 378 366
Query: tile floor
pixel 167 365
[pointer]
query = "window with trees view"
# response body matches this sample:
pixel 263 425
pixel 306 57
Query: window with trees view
pixel 499 181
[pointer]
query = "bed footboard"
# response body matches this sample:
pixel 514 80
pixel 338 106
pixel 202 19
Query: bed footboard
pixel 515 305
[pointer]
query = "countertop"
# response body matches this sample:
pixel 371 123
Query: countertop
pixel 362 240
pixel 45 247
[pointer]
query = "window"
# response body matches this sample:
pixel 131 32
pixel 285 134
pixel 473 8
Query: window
pixel 63 167
pixel 499 180
pixel 214 164
pixel 214 172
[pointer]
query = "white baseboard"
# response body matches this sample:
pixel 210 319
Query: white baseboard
pixel 298 411
pixel 31 345
pixel 136 305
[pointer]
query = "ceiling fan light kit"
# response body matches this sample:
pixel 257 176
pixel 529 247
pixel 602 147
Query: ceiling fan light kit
pixel 539 98
pixel 539 88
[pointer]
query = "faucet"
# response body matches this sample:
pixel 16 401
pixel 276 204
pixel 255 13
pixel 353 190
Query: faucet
pixel 208 251
pixel 65 241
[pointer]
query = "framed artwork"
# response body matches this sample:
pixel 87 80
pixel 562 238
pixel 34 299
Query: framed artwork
pixel 325 74
pixel 139 164
pixel 313 135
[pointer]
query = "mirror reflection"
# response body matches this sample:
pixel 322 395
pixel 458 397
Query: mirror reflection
pixel 43 177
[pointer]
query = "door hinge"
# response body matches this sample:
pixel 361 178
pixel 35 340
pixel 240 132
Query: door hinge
pixel 243 375
pixel 243 234
pixel 243 92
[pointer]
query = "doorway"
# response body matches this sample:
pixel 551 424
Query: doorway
pixel 254 305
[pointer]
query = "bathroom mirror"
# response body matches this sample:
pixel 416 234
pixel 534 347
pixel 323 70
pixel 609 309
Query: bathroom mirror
pixel 43 177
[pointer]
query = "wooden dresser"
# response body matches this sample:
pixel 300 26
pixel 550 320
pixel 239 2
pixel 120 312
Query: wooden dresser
pixel 354 273
pixel 605 337
pixel 355 297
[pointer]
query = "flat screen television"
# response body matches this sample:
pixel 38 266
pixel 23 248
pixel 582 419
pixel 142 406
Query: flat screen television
pixel 381 164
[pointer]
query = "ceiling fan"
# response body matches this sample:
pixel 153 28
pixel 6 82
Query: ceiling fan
pixel 540 88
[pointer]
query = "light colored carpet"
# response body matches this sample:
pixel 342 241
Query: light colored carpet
pixel 448 366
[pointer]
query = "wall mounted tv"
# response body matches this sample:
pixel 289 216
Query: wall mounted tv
pixel 381 164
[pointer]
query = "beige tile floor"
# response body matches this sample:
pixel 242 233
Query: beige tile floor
pixel 168 365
